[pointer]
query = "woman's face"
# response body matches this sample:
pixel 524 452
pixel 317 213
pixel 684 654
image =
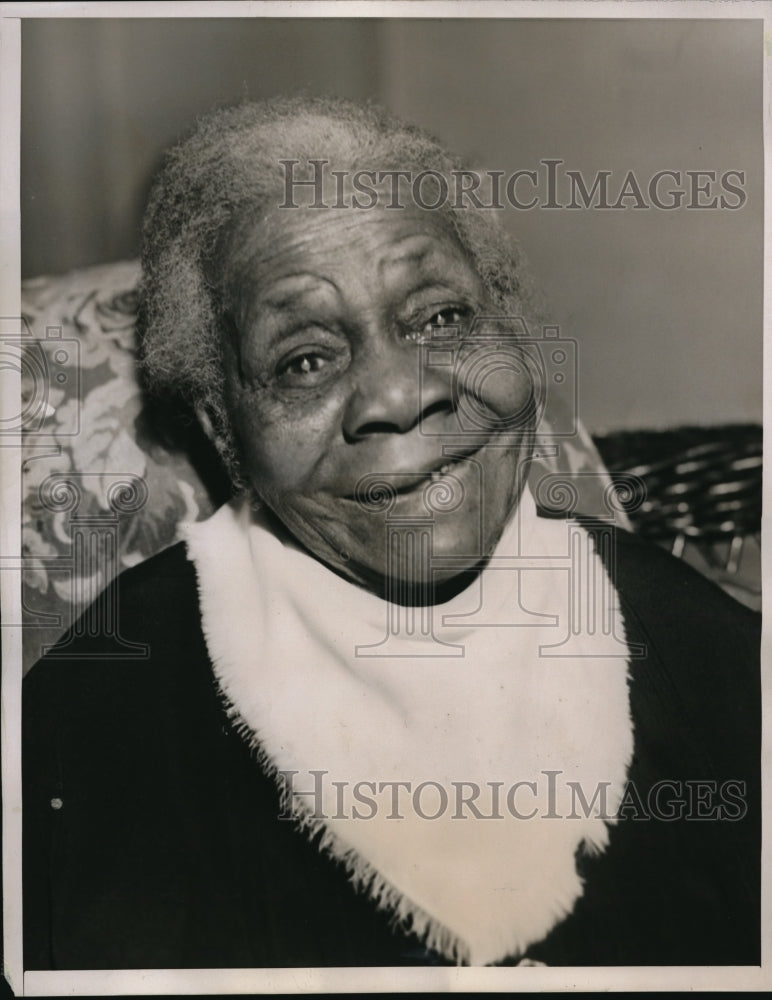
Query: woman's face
pixel 340 377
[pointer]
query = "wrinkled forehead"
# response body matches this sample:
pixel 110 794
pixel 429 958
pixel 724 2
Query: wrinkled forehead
pixel 367 247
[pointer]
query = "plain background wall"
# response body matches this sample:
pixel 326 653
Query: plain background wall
pixel 666 306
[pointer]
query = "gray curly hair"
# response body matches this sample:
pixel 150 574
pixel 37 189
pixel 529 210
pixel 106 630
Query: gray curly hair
pixel 228 169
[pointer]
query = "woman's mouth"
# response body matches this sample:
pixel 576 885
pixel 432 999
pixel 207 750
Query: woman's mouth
pixel 372 489
pixel 434 475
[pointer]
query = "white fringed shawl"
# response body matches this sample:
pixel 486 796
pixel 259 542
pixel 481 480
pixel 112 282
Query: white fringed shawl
pixel 282 630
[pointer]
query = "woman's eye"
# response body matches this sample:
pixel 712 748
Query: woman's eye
pixel 451 316
pixel 457 318
pixel 307 368
pixel 305 364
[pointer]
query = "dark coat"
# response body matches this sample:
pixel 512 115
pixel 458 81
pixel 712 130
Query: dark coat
pixel 151 837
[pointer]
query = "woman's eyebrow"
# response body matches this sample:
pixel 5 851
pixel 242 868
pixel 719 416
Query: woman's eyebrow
pixel 285 291
pixel 412 255
pixel 440 285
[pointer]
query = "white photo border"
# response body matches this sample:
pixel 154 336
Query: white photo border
pixel 240 981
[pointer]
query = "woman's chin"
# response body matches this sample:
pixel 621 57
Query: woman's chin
pixel 405 559
pixel 418 564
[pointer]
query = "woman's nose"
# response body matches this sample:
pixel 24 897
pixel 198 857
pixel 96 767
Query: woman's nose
pixel 395 392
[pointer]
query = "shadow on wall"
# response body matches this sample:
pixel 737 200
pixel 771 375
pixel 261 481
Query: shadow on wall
pixel 102 100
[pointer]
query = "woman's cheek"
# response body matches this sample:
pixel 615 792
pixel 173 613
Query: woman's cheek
pixel 499 380
pixel 280 466
pixel 282 454
pixel 300 439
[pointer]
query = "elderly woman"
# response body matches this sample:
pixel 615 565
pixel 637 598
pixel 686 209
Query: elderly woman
pixel 387 714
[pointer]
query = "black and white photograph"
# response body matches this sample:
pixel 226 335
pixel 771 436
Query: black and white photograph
pixel 382 440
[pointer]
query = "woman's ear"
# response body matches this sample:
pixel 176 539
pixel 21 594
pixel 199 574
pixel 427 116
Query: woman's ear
pixel 222 476
pixel 217 437
pixel 205 422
